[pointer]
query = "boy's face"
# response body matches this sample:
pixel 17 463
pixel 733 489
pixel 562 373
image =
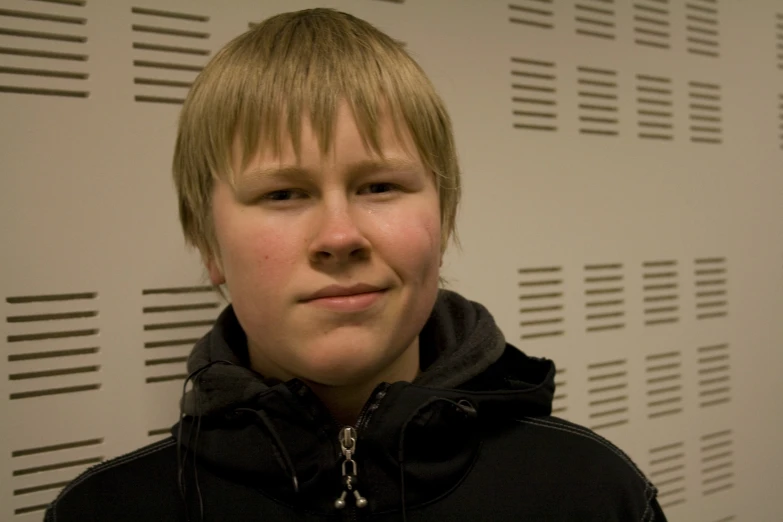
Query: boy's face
pixel 290 231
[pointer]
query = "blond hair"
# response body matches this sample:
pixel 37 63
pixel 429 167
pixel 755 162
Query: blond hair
pixel 262 84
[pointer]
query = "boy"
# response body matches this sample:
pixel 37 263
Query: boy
pixel 316 174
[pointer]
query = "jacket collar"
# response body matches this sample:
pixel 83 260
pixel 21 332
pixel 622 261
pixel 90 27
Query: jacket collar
pixel 279 437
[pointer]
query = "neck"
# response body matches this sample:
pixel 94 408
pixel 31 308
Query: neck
pixel 345 402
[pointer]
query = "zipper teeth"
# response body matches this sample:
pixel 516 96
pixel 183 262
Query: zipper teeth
pixel 377 396
pixel 372 404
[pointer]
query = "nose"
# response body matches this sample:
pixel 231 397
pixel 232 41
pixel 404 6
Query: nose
pixel 338 237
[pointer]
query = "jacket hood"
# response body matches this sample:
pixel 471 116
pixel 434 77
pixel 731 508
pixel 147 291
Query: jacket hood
pixel 459 341
pixel 425 433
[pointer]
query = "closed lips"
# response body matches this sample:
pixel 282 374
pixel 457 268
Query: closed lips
pixel 343 291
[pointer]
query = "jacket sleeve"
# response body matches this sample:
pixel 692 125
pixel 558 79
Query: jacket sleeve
pixel 49 517
pixel 658 515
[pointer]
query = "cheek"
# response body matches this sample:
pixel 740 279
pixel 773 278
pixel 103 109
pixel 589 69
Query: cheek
pixel 413 239
pixel 430 224
pixel 259 254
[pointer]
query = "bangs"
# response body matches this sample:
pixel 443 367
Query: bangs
pixel 278 73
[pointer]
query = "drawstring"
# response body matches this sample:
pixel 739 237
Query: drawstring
pixel 182 460
pixel 462 404
pixel 287 463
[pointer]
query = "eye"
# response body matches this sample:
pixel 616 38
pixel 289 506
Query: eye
pixel 282 195
pixel 380 188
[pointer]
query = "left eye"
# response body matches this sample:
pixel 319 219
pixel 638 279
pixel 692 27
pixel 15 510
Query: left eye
pixel 379 188
pixel 282 195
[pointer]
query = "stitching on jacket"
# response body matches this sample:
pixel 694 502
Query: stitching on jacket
pixel 649 488
pixel 580 430
pixel 647 502
pixel 649 493
pixel 109 465
pixel 590 435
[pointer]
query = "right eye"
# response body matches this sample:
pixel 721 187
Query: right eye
pixel 282 195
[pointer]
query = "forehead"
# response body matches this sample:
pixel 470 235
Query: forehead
pixel 345 140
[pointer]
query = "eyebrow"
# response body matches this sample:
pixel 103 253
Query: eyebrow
pixel 293 172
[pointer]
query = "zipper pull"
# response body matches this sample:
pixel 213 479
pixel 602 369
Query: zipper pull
pixel 347 440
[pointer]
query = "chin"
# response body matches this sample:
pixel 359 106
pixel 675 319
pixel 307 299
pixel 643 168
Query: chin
pixel 343 366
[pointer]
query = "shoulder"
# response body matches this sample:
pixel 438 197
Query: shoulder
pixel 117 485
pixel 596 475
pixel 578 441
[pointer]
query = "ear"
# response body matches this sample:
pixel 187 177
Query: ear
pixel 216 275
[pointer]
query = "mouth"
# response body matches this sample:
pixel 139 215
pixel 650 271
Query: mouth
pixel 356 302
pixel 343 291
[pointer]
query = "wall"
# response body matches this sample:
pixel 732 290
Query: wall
pixel 622 172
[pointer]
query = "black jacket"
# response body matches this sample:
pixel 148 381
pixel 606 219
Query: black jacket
pixel 471 439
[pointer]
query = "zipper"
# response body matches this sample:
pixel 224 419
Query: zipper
pixel 371 405
pixel 350 472
pixel 347 438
